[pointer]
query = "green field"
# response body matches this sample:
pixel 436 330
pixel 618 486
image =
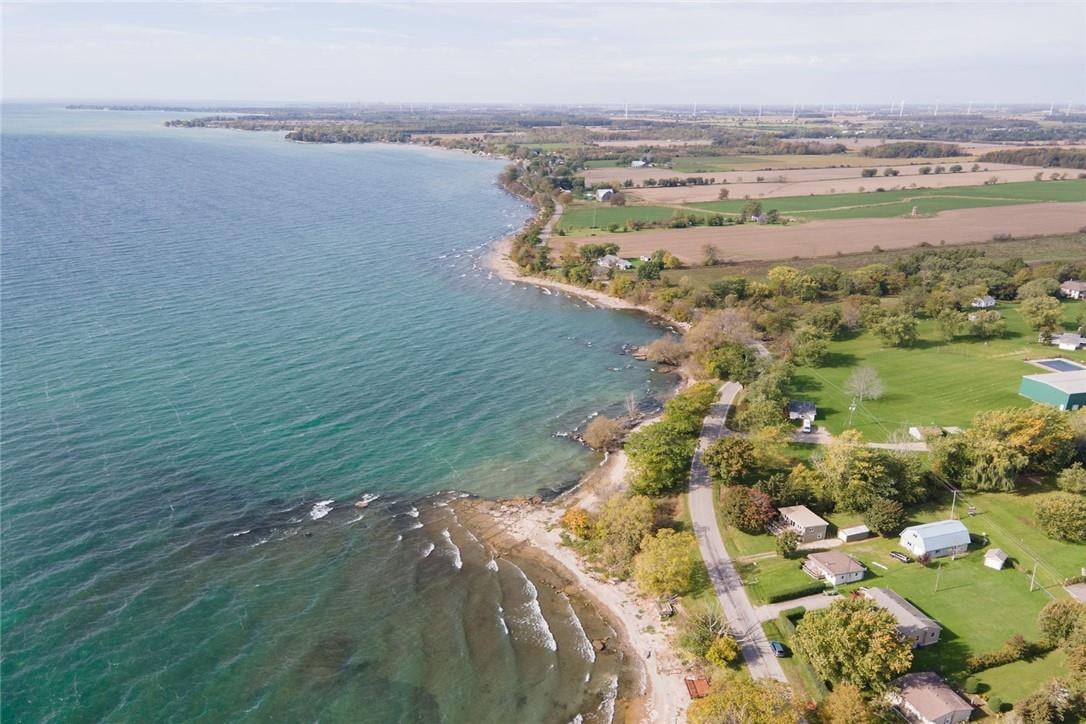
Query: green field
pixel 931 383
pixel 708 164
pixel 600 216
pixel 882 204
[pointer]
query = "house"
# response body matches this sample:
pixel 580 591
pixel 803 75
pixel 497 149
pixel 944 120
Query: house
pixel 604 194
pixel 995 559
pixel 834 567
pixel 645 258
pixel 801 410
pixel 638 164
pixel 912 623
pixel 1065 390
pixel 934 540
pixel 924 698
pixel 808 526
pixel 856 532
pixel 1068 341
pixel 611 261
pixel 1073 289
pixel 985 302
pixel 923 433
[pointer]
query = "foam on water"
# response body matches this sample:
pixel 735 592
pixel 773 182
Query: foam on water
pixel 427 550
pixel 321 509
pixel 492 565
pixel 454 550
pixel 584 646
pixel 532 615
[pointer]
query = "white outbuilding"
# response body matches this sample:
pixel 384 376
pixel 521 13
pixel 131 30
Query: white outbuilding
pixel 995 559
pixel 934 540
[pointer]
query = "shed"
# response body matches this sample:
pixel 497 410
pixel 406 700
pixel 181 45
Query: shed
pixel 1065 390
pixel 1069 341
pixel 912 623
pixel 1073 289
pixel 985 302
pixel 856 532
pixel 995 559
pixel 924 432
pixel 834 567
pixel 923 697
pixel 801 410
pixel 808 526
pixel 942 538
pixel 696 686
pixel 604 194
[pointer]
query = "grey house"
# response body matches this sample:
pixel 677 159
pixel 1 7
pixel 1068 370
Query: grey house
pixel 808 526
pixel 912 623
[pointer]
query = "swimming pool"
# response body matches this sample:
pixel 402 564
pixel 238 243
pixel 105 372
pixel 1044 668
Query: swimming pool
pixel 1060 365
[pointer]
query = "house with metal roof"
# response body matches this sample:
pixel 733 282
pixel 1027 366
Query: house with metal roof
pixel 1065 390
pixel 834 567
pixel 912 623
pixel 924 698
pixel 807 525
pixel 942 538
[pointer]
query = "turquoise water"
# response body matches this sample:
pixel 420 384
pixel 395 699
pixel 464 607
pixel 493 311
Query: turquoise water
pixel 214 343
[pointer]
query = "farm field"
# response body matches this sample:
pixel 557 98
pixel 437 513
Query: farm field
pixel 1036 249
pixel 933 383
pixel 589 216
pixel 807 183
pixel 820 238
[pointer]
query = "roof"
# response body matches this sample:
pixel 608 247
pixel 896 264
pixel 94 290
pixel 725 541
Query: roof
pixel 801 407
pixel 903 612
pixel 836 563
pixel 1073 285
pixel 996 553
pixel 1069 382
pixel 853 530
pixel 928 694
pixel 941 534
pixel 986 299
pixel 802 515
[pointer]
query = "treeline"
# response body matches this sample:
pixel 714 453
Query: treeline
pixel 333 133
pixel 913 149
pixel 1046 156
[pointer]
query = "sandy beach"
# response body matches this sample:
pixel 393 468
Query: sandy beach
pixel 656 691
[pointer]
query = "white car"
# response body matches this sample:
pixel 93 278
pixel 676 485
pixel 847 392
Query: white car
pixel 807 425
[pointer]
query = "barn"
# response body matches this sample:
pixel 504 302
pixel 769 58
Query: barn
pixel 1065 390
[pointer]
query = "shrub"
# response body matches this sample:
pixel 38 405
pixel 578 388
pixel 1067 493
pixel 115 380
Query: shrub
pixel 1016 648
pixel 996 704
pixel 971 685
pixel 602 433
pixel 1072 479
pixel 787 542
pixel 1063 516
pixel 869 172
pixel 722 651
pixel 796 592
pixel 577 522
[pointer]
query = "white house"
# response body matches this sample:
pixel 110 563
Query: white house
pixel 924 698
pixel 801 410
pixel 934 540
pixel 1073 289
pixel 1069 341
pixel 834 567
pixel 995 559
pixel 604 194
pixel 613 262
pixel 985 302
pixel 638 164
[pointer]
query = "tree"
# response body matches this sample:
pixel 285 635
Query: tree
pixel 736 698
pixel 667 563
pixel 787 542
pixel 700 627
pixel 750 210
pixel 869 172
pixel 1063 516
pixel 622 523
pixel 602 433
pixel 896 330
pixel 1059 619
pixel 659 456
pixel 723 194
pixel 809 346
pixel 650 270
pixel 747 509
pixel 723 651
pixel 729 459
pixel 666 350
pixel 951 323
pixel 1044 287
pixel 885 517
pixel 733 361
pixel 1072 479
pixel 1050 704
pixel 854 641
pixel 987 324
pixel 1043 314
pixel 864 384
pixel 845 705
pixel 711 254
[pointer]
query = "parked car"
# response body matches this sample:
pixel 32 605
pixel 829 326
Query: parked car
pixel 900 557
pixel 806 427
pixel 779 649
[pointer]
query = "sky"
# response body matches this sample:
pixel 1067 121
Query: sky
pixel 584 53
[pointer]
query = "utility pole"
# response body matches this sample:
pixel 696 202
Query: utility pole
pixel 1033 576
pixel 953 503
pixel 851 409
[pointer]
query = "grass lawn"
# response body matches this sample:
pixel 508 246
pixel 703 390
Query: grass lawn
pixel 873 204
pixel 768 576
pixel 799 673
pixel 931 383
pixel 1016 681
pixel 600 216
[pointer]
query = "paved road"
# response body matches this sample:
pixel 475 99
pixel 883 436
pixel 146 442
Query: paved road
pixel 729 588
